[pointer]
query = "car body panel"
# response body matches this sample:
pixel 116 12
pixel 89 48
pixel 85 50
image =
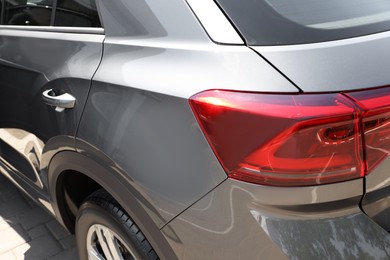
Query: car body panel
pixel 117 184
pixel 344 65
pixel 207 66
pixel 133 132
pixel 238 220
pixel 140 109
pixel 376 201
pixel 350 64
pixel 136 128
pixel 161 47
pixel 133 117
pixel 31 62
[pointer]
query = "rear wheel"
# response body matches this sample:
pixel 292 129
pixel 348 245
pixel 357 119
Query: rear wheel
pixel 105 231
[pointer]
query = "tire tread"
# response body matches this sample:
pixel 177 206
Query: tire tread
pixel 103 199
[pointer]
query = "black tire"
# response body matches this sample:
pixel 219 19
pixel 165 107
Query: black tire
pixel 101 209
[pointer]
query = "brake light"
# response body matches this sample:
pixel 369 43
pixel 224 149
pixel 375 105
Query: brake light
pixel 376 124
pixel 283 140
pixel 296 139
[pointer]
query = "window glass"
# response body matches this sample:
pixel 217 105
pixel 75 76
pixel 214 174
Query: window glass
pixel 28 12
pixel 279 22
pixel 77 13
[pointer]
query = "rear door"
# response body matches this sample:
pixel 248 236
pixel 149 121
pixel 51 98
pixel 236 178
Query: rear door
pixel 49 51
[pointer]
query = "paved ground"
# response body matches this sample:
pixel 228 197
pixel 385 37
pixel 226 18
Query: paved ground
pixel 28 232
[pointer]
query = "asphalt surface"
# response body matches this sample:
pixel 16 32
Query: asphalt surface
pixel 29 232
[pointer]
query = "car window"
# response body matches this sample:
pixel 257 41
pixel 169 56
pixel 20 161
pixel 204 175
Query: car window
pixel 277 22
pixel 77 13
pixel 28 12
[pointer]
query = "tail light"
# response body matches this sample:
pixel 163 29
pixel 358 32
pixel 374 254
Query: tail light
pixel 376 124
pixel 294 140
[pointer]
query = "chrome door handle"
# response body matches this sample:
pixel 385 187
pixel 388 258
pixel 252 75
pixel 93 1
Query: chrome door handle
pixel 60 102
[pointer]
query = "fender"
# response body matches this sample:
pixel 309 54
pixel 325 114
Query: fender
pixel 115 184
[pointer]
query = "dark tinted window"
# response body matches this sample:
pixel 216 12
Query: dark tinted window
pixel 277 22
pixel 28 12
pixel 77 13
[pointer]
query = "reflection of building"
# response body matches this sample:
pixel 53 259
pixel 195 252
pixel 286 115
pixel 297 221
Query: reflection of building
pixel 23 150
pixel 39 13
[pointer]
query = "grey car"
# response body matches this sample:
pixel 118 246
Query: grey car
pixel 202 129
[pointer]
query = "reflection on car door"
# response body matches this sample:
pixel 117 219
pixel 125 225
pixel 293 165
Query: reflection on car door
pixel 32 61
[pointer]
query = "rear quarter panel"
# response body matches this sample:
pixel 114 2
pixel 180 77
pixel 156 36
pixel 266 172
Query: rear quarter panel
pixel 137 112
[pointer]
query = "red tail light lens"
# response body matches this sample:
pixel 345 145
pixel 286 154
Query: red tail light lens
pixel 283 140
pixel 376 124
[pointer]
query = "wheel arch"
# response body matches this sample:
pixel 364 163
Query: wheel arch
pixel 114 183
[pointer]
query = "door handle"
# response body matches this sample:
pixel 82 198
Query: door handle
pixel 60 102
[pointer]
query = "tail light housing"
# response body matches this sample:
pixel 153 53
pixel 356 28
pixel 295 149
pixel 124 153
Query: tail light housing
pixel 375 124
pixel 295 139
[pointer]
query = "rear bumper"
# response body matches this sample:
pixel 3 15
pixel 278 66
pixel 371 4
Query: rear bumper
pixel 376 201
pixel 243 221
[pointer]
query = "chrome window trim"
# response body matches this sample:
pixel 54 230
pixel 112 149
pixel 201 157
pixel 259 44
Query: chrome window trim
pixel 52 35
pixel 214 21
pixel 57 29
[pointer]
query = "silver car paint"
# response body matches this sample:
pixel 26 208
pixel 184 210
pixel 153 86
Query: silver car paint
pixel 132 119
pixel 30 62
pixel 128 108
pixel 146 135
pixel 102 171
pixel 376 202
pixel 181 69
pixel 181 60
pixel 349 64
pixel 147 119
pixel 237 221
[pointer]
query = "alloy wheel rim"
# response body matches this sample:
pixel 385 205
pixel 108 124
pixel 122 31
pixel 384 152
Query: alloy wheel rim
pixel 104 243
